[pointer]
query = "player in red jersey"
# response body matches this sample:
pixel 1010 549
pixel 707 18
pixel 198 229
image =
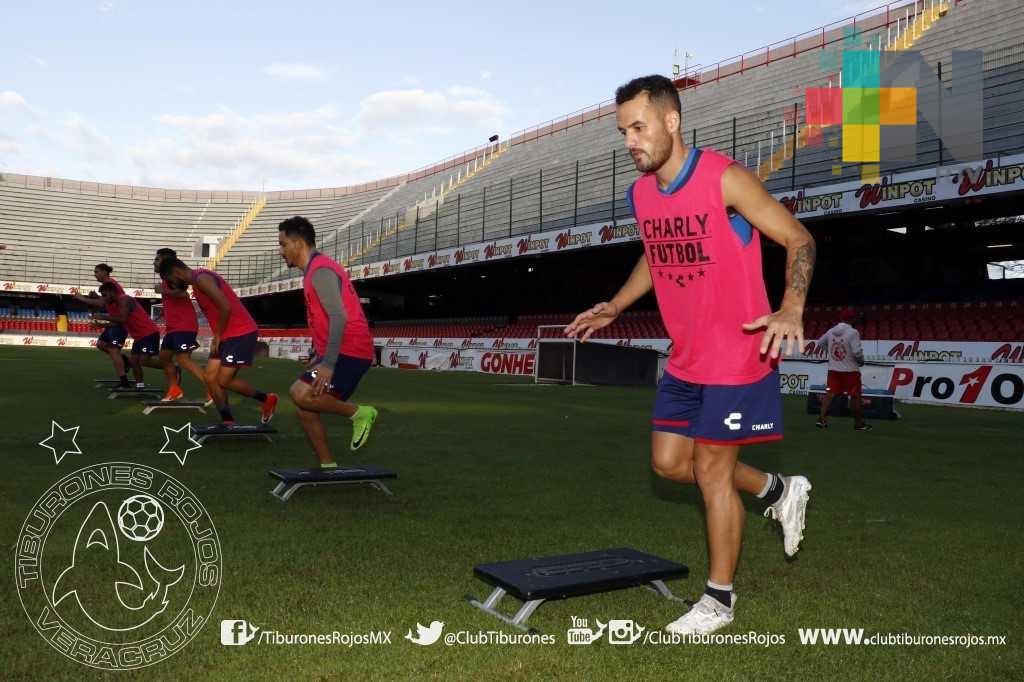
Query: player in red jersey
pixel 182 328
pixel 234 336
pixel 112 338
pixel 341 340
pixel 125 311
pixel 700 215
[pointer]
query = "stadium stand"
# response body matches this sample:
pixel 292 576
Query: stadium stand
pixel 575 175
pixel 57 235
pixel 568 172
pixel 254 258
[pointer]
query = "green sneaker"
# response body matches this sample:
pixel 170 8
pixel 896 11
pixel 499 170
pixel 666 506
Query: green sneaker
pixel 362 422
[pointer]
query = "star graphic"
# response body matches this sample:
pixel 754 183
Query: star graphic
pixel 185 431
pixel 54 427
pixel 972 382
pixel 691 276
pixel 701 272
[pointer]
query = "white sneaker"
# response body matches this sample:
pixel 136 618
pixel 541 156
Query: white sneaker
pixel 140 385
pixel 706 616
pixel 790 511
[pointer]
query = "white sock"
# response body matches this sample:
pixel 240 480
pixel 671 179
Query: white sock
pixel 767 486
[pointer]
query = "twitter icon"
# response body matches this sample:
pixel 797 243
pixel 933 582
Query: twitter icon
pixel 425 636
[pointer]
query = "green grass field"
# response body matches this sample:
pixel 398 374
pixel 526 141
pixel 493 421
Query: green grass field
pixel 911 528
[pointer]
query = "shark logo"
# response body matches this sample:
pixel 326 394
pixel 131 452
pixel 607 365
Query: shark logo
pixel 426 636
pixel 118 566
pixel 97 550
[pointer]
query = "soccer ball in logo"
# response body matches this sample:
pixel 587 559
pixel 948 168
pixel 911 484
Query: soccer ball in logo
pixel 140 518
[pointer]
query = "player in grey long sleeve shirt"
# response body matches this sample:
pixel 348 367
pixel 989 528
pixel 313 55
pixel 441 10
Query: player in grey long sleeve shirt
pixel 328 288
pixel 341 340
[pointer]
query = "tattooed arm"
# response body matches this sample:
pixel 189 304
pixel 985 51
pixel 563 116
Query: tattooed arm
pixel 743 192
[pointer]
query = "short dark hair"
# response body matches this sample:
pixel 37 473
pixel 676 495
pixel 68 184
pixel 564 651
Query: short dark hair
pixel 104 267
pixel 169 253
pixel 298 226
pixel 658 88
pixel 170 264
pixel 108 288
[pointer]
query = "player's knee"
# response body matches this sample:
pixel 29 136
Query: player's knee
pixel 672 466
pixel 711 470
pixel 300 395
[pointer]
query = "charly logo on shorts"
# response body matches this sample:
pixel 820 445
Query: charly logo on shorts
pixel 118 566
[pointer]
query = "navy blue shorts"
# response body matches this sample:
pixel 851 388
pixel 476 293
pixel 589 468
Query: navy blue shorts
pixel 237 351
pixel 720 415
pixel 147 345
pixel 348 371
pixel 115 335
pixel 180 342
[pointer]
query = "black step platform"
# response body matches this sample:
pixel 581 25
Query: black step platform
pixel 535 581
pixel 152 405
pixel 201 433
pixel 149 392
pixel 290 480
pixel 877 403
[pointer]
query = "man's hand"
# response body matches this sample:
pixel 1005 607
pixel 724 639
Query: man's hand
pixel 322 378
pixel 783 325
pixel 214 345
pixel 589 321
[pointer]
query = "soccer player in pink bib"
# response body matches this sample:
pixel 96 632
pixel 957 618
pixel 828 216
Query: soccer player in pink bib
pixel 125 311
pixel 234 336
pixel 342 342
pixel 182 331
pixel 112 338
pixel 701 216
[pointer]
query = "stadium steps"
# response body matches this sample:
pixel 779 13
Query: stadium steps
pixel 995 27
pixel 909 36
pixel 595 144
pixel 327 245
pixel 57 236
pixel 237 232
pixel 425 208
pixel 255 258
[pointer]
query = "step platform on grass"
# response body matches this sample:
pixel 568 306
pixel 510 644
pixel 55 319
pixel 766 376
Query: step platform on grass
pixel 291 480
pixel 152 405
pixel 534 581
pixel 877 403
pixel 149 392
pixel 105 383
pixel 201 433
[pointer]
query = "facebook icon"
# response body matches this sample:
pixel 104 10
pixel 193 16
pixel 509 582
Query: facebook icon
pixel 236 632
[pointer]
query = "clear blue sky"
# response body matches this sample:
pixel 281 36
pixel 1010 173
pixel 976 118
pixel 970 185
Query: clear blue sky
pixel 310 94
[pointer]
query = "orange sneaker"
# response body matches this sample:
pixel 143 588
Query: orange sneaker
pixel 173 393
pixel 269 405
